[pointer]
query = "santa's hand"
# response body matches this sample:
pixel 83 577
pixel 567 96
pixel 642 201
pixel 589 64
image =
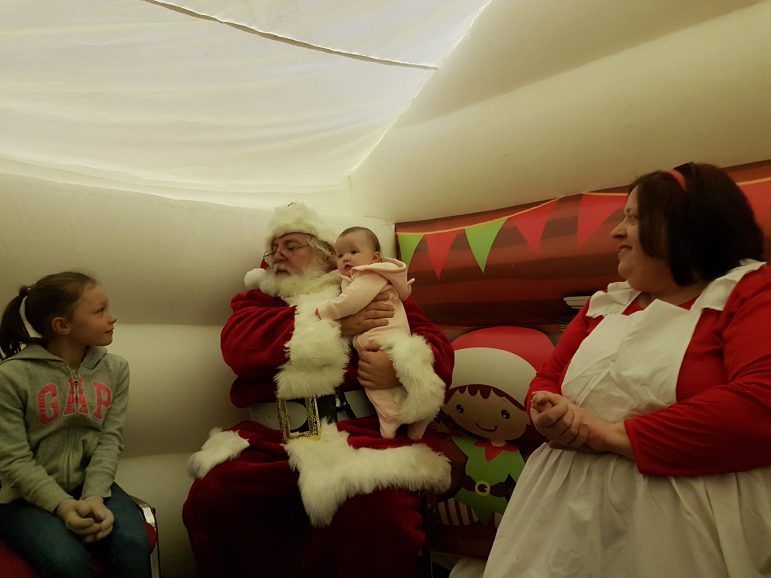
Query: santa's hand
pixel 439 427
pixel 375 314
pixel 376 371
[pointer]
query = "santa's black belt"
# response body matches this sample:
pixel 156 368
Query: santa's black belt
pixel 298 413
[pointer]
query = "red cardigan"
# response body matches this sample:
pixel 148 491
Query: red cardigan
pixel 721 421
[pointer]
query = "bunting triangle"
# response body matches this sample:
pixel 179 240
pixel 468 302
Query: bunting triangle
pixel 532 222
pixel 408 242
pixel 439 247
pixel 481 237
pixel 759 196
pixel 593 210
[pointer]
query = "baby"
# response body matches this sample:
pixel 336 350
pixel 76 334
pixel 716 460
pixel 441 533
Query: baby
pixel 365 274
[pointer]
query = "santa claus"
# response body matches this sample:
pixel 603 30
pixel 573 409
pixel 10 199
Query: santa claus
pixel 339 502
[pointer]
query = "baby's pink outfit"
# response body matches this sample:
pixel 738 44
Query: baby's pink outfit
pixel 357 291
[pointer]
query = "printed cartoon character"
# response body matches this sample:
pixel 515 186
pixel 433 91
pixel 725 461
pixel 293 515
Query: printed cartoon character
pixel 493 369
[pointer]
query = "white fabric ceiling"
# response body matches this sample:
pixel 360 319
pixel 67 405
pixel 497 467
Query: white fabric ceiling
pixel 237 101
pixel 340 103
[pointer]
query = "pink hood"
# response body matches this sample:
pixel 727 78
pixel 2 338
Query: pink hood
pixel 392 270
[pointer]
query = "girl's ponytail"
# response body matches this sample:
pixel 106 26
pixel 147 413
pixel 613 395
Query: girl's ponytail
pixel 52 296
pixel 13 331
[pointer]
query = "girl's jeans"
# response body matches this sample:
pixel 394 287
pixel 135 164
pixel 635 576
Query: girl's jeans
pixel 41 538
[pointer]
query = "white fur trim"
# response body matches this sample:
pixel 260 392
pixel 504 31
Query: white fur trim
pixel 413 362
pixel 331 471
pixel 253 278
pixel 298 218
pixel 220 447
pixel 318 355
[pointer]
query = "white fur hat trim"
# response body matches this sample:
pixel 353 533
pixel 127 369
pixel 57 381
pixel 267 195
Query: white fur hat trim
pixel 298 218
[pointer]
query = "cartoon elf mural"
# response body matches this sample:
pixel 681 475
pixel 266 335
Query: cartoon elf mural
pixel 493 369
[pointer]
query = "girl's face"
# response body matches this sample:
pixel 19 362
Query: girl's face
pixel 642 272
pixel 354 249
pixel 91 322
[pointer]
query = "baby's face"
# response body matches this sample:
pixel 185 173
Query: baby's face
pixel 354 249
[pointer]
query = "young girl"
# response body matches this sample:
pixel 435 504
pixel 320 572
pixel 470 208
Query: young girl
pixel 62 404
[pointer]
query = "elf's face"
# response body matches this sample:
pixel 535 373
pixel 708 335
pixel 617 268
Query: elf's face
pixel 495 418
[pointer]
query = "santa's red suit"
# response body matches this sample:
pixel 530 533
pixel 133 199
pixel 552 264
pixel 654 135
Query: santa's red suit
pixel 341 506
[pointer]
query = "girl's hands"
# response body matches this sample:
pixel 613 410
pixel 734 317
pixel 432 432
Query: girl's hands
pixel 76 517
pixel 102 515
pixel 89 519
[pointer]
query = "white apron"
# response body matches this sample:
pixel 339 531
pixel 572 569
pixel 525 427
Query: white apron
pixel 588 515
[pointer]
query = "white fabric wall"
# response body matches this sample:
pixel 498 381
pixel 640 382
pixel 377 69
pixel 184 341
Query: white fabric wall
pixel 161 261
pixel 697 94
pixel 179 390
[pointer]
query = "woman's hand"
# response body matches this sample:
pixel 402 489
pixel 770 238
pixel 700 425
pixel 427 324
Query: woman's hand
pixel 376 371
pixel 559 420
pixel 570 427
pixel 376 314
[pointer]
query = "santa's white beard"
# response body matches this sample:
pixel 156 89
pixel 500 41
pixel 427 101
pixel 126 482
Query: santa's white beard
pixel 287 285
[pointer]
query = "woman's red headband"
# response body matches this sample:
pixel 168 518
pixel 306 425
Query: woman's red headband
pixel 678 176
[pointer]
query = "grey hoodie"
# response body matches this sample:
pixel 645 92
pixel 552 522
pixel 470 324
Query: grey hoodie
pixel 60 428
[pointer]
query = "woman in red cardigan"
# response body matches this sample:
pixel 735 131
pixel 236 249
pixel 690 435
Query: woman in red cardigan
pixel 657 403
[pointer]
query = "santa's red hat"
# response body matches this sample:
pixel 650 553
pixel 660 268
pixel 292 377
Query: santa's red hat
pixel 506 358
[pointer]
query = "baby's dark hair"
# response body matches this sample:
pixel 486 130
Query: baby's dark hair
pixel 52 296
pixel 370 235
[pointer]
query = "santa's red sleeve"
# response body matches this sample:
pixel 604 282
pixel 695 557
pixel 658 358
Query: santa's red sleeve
pixel 254 336
pixel 727 427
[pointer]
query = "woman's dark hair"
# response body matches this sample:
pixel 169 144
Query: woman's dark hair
pixel 52 296
pixel 702 229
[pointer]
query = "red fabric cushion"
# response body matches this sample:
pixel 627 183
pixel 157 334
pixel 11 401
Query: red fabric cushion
pixel 13 564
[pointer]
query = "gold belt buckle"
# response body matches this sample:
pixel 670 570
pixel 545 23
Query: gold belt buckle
pixel 312 415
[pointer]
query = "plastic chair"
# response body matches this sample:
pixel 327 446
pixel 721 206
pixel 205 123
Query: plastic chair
pixel 14 565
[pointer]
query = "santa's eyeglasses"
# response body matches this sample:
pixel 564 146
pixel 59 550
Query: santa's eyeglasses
pixel 285 251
